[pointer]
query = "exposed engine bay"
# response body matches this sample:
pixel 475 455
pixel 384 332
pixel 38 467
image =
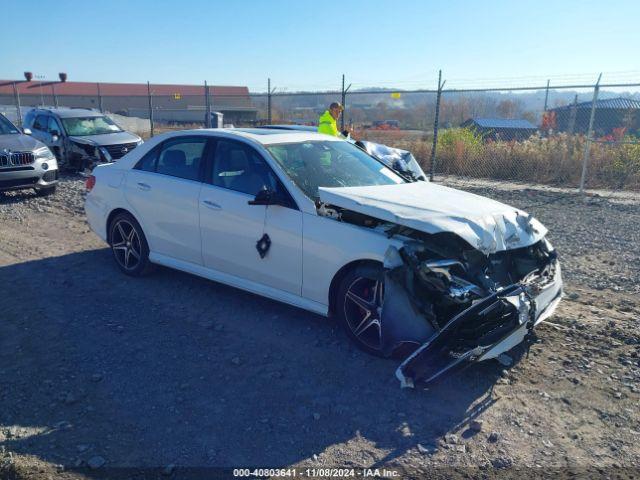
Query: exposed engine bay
pixel 456 303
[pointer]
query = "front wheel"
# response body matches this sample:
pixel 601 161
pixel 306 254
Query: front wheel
pixel 359 307
pixel 129 245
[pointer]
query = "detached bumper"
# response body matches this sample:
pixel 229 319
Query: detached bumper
pixel 509 315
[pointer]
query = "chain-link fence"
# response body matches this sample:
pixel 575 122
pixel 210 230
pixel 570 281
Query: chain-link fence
pixel 567 136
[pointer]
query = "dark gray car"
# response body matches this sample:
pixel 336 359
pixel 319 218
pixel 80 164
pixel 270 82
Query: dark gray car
pixel 80 138
pixel 24 161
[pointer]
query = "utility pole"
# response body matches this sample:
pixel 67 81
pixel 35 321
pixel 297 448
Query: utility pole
pixel 432 167
pixel 587 144
pixel 150 108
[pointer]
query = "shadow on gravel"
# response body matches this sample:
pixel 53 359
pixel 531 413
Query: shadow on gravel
pixel 173 369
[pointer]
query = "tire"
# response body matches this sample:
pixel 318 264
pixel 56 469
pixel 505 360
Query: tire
pixel 358 303
pixel 129 245
pixel 46 191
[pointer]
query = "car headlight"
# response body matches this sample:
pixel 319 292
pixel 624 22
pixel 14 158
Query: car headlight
pixel 44 153
pixel 139 142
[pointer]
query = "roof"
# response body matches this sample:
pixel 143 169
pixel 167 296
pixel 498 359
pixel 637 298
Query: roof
pixel 63 112
pixel 515 123
pixel 618 103
pixel 118 89
pixel 267 136
pixel 297 128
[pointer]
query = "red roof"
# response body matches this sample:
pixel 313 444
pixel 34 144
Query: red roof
pixel 119 89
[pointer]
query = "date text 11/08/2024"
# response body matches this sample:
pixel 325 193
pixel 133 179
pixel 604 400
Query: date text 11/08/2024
pixel 316 473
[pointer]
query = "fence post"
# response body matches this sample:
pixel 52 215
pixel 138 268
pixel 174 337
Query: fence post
pixel 53 93
pixel 344 103
pixel 546 96
pixel 432 167
pixel 587 144
pixel 268 101
pixel 150 108
pixel 16 97
pixel 344 94
pixel 99 98
pixel 207 105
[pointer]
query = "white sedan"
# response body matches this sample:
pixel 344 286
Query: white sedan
pixel 446 277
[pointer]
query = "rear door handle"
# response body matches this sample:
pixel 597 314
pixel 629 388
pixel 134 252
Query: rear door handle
pixel 144 186
pixel 212 205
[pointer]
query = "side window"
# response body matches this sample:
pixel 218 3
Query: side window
pixel 54 126
pixel 239 167
pixel 148 162
pixel 41 123
pixel 181 157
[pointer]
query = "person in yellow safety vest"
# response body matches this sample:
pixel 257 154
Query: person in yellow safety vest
pixel 327 121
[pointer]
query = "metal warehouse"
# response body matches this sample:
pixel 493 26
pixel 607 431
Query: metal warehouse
pixel 171 103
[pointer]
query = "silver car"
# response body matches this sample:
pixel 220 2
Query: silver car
pixel 24 161
pixel 80 138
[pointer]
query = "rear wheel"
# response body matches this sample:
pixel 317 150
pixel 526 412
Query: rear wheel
pixel 129 245
pixel 359 307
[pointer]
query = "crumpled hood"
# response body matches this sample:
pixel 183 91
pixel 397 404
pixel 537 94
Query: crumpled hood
pixel 106 139
pixel 486 224
pixel 19 143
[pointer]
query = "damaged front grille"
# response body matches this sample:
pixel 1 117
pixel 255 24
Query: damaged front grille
pixel 469 305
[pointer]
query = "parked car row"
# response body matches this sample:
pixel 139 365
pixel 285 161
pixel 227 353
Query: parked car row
pixel 58 138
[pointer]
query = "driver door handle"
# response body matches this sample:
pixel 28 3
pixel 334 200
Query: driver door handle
pixel 144 186
pixel 212 205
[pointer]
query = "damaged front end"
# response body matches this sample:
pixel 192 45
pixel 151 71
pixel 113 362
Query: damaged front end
pixel 472 308
pixel 468 278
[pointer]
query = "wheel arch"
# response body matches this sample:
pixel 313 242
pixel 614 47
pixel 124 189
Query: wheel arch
pixel 112 215
pixel 340 274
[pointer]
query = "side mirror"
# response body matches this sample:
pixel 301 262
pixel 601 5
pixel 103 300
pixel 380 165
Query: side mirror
pixel 267 197
pixel 55 133
pixel 26 131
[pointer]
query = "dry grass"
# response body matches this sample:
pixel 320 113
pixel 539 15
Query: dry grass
pixel 555 160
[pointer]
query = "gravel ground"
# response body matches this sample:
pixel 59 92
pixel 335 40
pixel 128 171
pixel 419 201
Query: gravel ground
pixel 101 371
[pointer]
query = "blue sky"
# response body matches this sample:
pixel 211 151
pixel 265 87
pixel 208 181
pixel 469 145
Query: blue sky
pixel 309 44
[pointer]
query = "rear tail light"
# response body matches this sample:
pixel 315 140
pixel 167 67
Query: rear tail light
pixel 90 183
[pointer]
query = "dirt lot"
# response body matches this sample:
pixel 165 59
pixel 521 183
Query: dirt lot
pixel 100 371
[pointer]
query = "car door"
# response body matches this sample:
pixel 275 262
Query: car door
pixel 232 229
pixel 163 189
pixel 40 129
pixel 54 134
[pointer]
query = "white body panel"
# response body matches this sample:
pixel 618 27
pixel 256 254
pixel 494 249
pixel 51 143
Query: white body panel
pixel 169 207
pixel 230 228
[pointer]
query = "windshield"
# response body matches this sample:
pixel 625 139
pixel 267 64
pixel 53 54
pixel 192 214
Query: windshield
pixel 314 164
pixel 80 126
pixel 6 127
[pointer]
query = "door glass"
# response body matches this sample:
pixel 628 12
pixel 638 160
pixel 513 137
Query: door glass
pixel 239 167
pixel 54 127
pixel 181 158
pixel 148 162
pixel 41 123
